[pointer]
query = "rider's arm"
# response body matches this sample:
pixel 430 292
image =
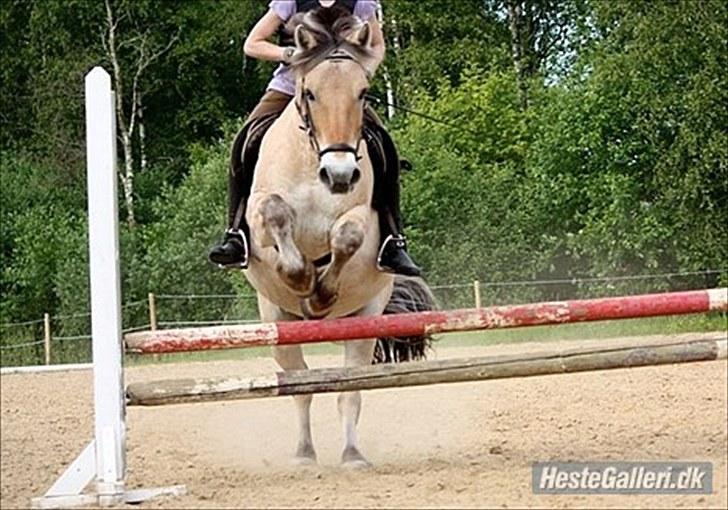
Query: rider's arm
pixel 257 44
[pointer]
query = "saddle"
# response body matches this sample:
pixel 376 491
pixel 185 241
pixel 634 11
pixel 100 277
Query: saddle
pixel 246 147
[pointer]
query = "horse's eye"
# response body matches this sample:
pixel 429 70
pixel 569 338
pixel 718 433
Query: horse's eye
pixel 363 94
pixel 310 96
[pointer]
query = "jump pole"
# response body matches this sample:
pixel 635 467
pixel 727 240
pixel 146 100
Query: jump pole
pixel 103 461
pixel 417 323
pixel 326 380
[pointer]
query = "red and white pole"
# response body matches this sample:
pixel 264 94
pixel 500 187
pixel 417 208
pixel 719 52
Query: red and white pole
pixel 408 324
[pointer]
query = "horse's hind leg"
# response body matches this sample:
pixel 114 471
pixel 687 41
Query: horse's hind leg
pixel 347 236
pixel 291 358
pixel 357 353
pixel 273 223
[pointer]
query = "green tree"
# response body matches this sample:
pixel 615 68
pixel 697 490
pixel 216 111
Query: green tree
pixel 633 150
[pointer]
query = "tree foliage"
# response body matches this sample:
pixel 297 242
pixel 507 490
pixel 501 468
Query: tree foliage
pixel 619 165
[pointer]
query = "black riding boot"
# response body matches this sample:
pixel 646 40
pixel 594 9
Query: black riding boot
pixel 234 251
pixel 393 256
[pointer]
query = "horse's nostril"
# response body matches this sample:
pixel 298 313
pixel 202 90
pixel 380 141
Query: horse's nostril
pixel 324 176
pixel 355 176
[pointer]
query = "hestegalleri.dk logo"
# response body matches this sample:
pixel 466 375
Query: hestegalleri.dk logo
pixel 622 478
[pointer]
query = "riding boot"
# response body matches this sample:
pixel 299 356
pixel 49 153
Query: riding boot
pixel 233 251
pixel 393 256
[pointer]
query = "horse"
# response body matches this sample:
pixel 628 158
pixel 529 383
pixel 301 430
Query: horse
pixel 314 234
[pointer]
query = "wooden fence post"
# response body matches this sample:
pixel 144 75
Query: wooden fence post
pixel 476 291
pixel 152 312
pixel 47 337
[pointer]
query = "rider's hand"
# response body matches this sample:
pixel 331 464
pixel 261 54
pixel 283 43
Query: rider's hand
pixel 287 54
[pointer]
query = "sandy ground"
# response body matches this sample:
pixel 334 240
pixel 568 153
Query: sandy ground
pixel 457 446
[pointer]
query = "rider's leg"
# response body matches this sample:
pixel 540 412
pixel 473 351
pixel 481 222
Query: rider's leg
pixel 233 250
pixel 393 256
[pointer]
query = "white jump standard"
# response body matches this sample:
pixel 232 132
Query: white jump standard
pixel 103 461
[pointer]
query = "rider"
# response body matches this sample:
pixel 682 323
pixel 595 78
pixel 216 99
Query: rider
pixel 233 251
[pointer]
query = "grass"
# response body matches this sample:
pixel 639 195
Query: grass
pixel 573 331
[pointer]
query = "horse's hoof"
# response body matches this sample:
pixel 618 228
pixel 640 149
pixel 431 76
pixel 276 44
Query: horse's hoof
pixel 301 279
pixel 357 465
pixel 353 459
pixel 303 461
pixel 305 455
pixel 318 307
pixel 311 310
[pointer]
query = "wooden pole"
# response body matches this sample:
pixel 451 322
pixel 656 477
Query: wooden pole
pixel 476 292
pixel 152 312
pixel 420 323
pixel 47 337
pixel 327 380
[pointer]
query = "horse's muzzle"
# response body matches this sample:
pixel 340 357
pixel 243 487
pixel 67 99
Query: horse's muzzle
pixel 339 172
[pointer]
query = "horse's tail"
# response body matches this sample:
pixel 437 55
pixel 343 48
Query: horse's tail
pixel 408 295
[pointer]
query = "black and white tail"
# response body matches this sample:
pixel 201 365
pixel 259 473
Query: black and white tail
pixel 409 295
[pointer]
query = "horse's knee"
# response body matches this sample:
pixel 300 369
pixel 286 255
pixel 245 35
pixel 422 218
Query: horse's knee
pixel 276 212
pixel 348 238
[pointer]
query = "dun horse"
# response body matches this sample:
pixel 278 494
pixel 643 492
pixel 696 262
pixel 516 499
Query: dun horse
pixel 314 233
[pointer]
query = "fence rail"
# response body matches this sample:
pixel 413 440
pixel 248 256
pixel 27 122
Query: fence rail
pixel 65 338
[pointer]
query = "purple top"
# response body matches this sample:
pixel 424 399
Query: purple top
pixel 283 79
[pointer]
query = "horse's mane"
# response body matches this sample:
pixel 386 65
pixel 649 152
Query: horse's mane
pixel 329 27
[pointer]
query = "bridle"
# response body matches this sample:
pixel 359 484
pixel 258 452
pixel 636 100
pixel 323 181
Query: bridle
pixel 304 111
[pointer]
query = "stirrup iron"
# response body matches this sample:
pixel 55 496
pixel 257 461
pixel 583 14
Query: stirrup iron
pixel 243 264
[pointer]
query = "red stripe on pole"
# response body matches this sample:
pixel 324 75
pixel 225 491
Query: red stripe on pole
pixel 648 305
pixel 497 317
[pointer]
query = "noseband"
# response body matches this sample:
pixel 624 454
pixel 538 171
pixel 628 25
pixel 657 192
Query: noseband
pixel 304 111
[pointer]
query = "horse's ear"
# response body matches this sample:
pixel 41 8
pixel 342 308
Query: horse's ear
pixel 362 36
pixel 304 39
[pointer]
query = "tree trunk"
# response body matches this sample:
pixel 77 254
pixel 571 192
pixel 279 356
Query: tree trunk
pixel 518 51
pixel 127 180
pixel 126 130
pixel 142 138
pixel 385 74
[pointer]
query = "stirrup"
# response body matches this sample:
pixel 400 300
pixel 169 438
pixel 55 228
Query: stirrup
pixel 399 241
pixel 243 264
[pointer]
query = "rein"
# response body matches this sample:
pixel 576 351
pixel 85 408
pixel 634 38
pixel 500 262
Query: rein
pixel 304 111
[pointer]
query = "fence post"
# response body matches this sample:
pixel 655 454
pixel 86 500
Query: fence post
pixel 47 337
pixel 476 292
pixel 152 312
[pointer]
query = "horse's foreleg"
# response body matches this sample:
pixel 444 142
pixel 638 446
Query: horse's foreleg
pixel 347 236
pixel 357 353
pixel 273 223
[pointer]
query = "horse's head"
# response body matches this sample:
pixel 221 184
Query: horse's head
pixel 332 63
